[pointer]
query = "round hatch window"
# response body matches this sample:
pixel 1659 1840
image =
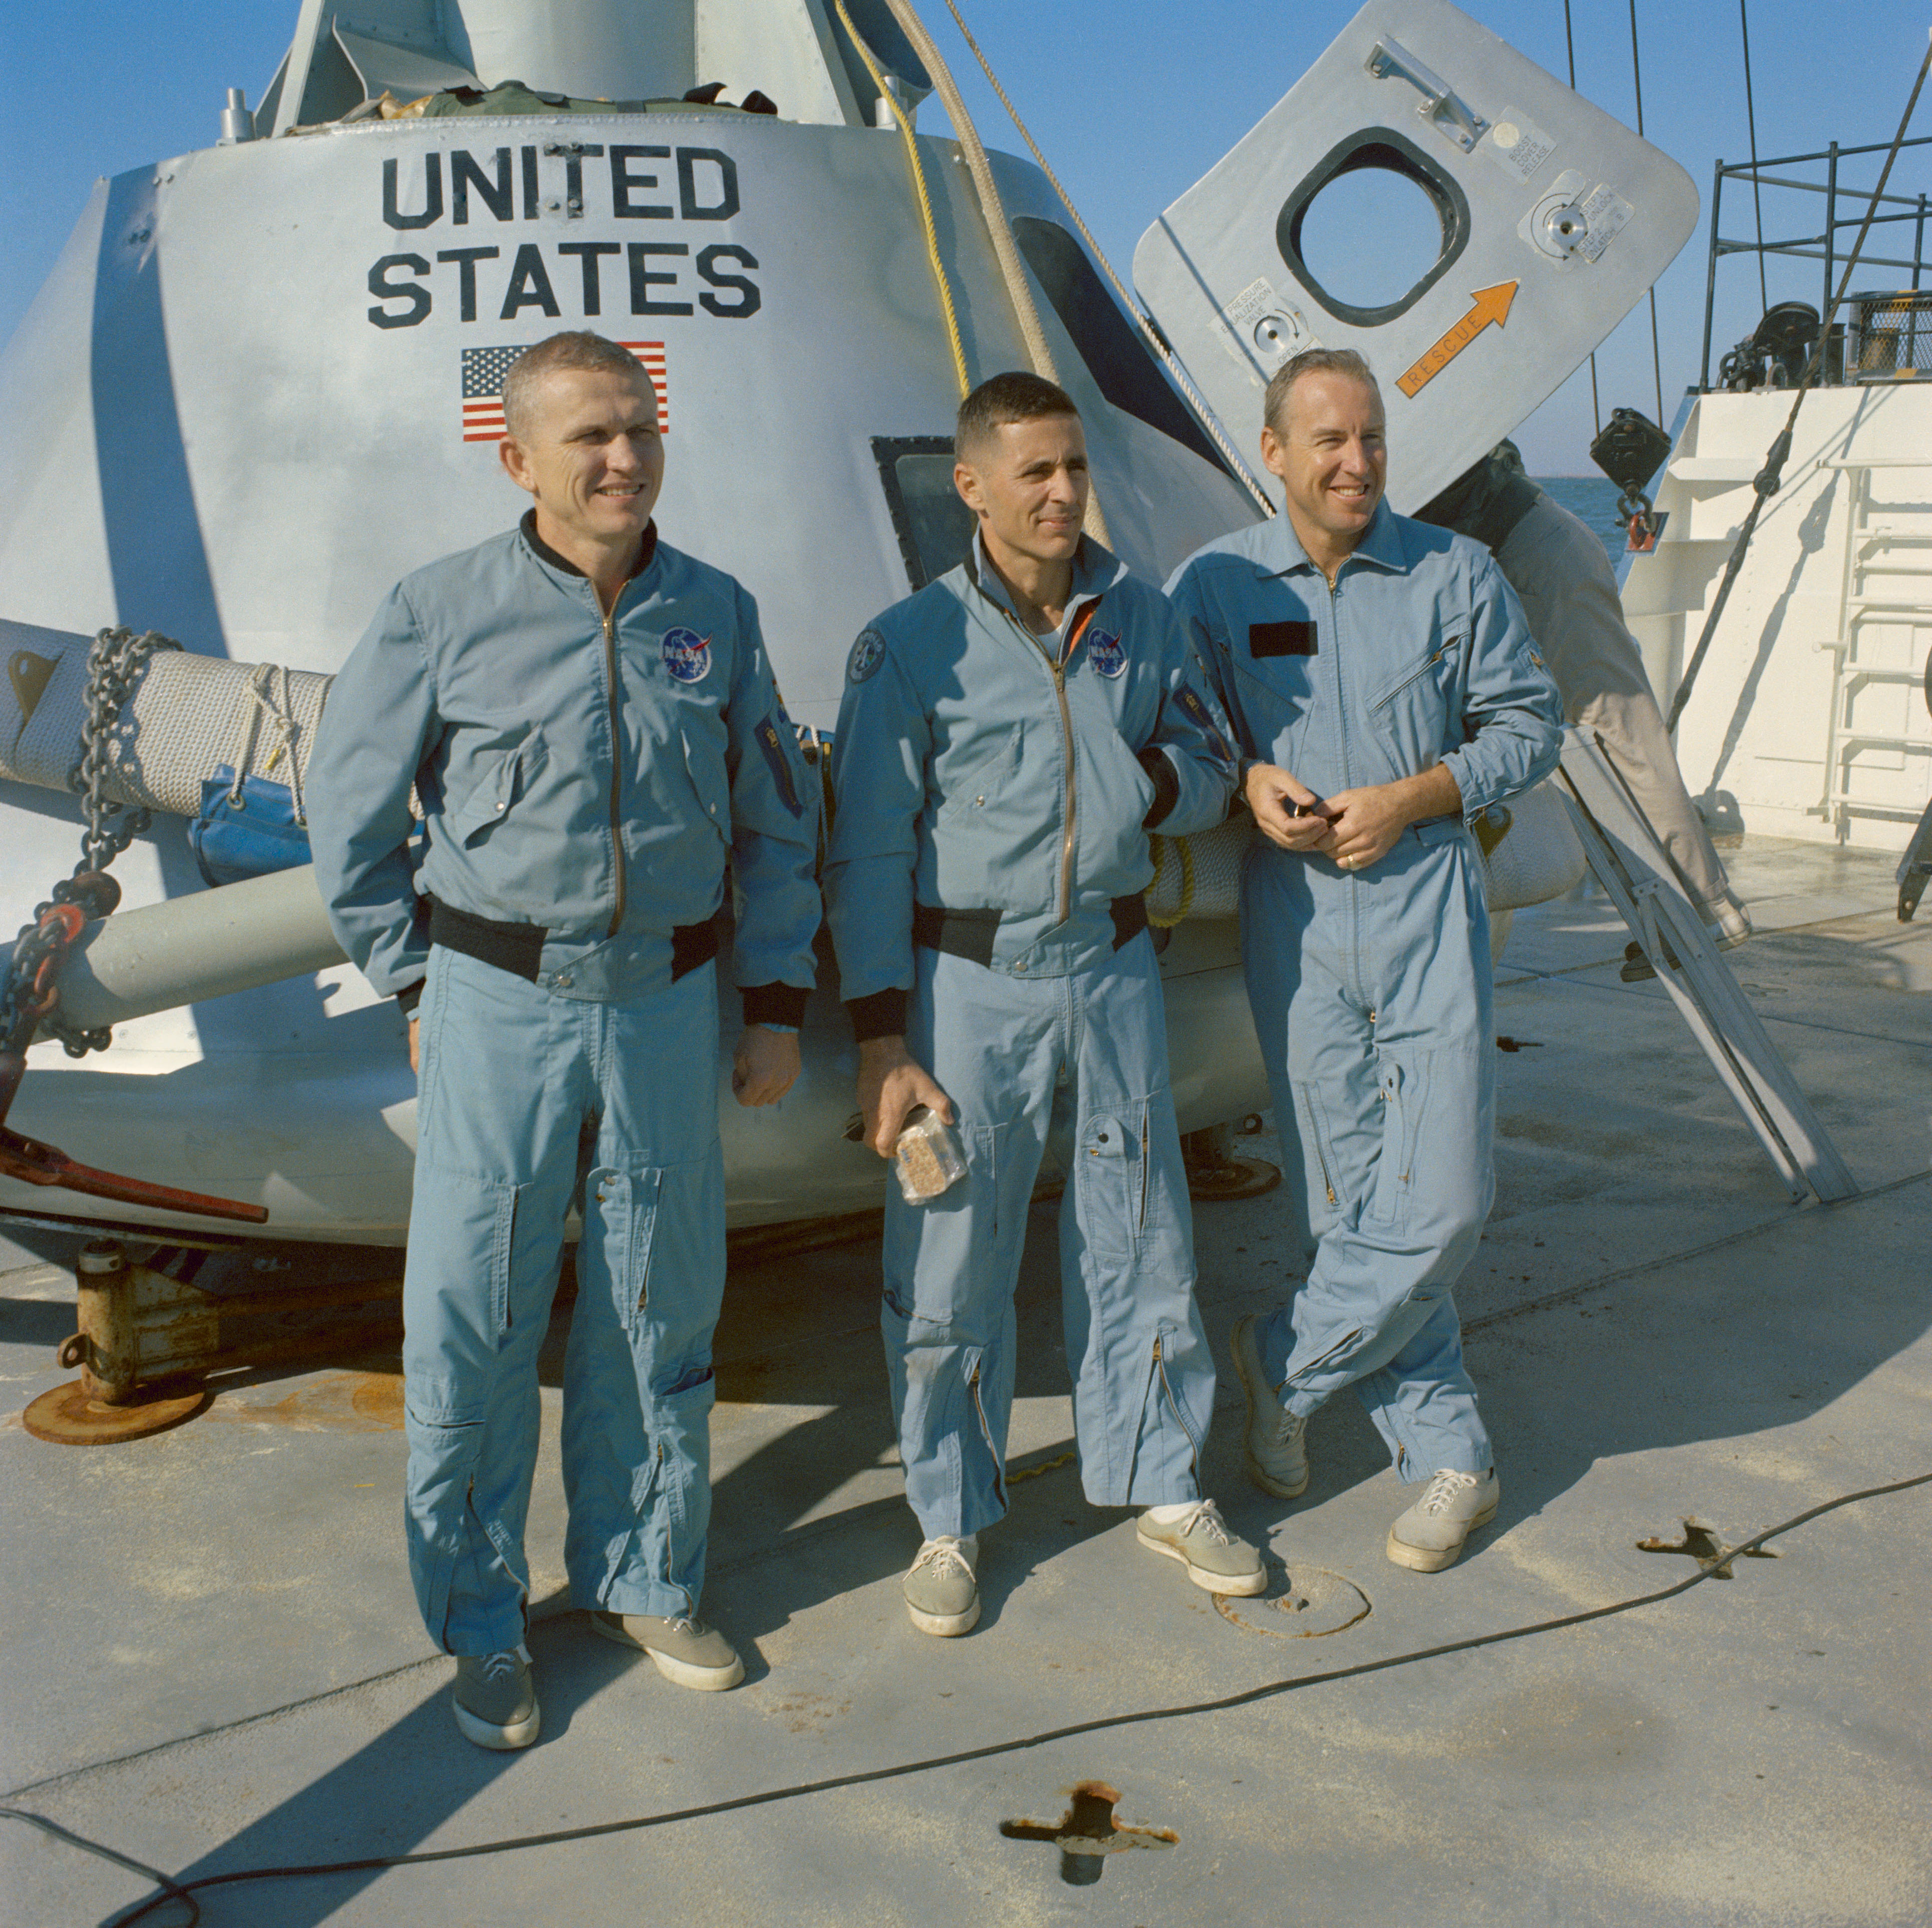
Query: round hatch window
pixel 1372 227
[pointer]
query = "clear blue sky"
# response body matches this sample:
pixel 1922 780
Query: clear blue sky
pixel 1132 100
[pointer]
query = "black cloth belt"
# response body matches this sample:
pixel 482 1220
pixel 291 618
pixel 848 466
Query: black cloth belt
pixel 518 948
pixel 692 945
pixel 967 934
pixel 515 947
pixel 959 933
pixel 970 933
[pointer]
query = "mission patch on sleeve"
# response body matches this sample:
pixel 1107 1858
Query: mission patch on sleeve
pixel 868 653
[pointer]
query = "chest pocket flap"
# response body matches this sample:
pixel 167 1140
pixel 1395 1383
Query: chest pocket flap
pixel 1443 659
pixel 499 786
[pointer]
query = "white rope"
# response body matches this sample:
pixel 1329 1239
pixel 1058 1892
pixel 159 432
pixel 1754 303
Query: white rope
pixel 1155 339
pixel 260 691
pixel 999 230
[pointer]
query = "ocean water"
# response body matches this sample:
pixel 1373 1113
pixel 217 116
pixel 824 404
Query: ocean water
pixel 1591 498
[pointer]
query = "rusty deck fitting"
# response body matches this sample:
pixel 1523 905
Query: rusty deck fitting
pixel 141 1329
pixel 1087 1831
pixel 1304 1604
pixel 1233 1178
pixel 68 1415
pixel 1216 1175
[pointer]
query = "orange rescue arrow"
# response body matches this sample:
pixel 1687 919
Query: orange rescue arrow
pixel 1491 304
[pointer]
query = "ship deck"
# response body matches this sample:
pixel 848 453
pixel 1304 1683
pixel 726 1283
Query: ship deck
pixel 214 1663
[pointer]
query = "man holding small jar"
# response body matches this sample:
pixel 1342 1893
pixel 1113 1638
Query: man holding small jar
pixel 1009 736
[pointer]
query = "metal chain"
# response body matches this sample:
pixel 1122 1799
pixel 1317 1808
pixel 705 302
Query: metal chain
pixel 114 666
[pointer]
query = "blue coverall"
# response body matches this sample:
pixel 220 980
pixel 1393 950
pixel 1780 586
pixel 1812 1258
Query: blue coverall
pixel 988 857
pixel 583 782
pixel 1372 988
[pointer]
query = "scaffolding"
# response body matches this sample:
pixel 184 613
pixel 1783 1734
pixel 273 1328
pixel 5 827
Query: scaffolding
pixel 1845 207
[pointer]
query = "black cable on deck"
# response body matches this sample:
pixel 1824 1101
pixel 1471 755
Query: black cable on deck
pixel 185 1891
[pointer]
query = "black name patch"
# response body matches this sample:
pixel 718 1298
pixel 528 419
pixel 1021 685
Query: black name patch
pixel 1281 638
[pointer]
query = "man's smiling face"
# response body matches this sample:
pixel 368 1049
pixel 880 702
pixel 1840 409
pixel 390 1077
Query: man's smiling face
pixel 590 453
pixel 1329 450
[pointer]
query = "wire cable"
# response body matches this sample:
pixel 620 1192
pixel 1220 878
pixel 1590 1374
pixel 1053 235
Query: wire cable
pixel 1770 479
pixel 903 121
pixel 999 229
pixel 1751 121
pixel 173 1889
pixel 1570 46
pixel 1155 339
pixel 1656 353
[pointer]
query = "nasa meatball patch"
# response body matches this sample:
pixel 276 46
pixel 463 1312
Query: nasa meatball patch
pixel 1105 653
pixel 868 653
pixel 687 655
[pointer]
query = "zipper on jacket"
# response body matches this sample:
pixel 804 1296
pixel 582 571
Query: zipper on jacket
pixel 1074 631
pixel 1069 838
pixel 617 763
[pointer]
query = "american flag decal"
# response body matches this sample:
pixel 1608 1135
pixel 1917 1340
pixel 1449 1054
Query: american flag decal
pixel 484 370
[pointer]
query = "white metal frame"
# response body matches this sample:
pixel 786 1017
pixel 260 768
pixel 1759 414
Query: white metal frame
pixel 1636 873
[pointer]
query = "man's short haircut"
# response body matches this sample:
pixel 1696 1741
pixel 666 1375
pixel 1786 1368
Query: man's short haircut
pixel 1312 362
pixel 576 348
pixel 1016 396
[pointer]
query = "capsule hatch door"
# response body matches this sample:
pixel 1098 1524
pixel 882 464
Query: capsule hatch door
pixel 1554 219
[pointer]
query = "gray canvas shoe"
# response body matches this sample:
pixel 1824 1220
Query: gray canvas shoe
pixel 1215 1560
pixel 1274 1442
pixel 941 1595
pixel 1429 1535
pixel 495 1699
pixel 685 1651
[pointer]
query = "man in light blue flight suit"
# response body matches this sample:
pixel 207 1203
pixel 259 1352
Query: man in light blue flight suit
pixel 1007 737
pixel 589 720
pixel 1384 689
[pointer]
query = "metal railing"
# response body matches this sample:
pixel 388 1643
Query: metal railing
pixel 1845 207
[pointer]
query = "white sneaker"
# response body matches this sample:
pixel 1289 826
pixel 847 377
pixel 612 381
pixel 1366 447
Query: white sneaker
pixel 1273 1441
pixel 495 1699
pixel 1215 1560
pixel 1429 1535
pixel 1728 921
pixel 942 1596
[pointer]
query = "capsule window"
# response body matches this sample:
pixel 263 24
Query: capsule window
pixel 934 526
pixel 1123 367
pixel 1372 226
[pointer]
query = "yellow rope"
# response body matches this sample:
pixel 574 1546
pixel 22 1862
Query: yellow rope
pixel 918 172
pixel 999 229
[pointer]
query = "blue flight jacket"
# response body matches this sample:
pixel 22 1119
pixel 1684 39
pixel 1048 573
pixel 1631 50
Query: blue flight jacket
pixel 1419 655
pixel 977 767
pixel 581 781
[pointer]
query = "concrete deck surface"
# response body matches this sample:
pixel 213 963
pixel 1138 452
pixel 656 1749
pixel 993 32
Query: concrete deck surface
pixel 213 1661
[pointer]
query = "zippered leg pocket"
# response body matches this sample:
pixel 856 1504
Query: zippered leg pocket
pixel 1320 1168
pixel 1400 1092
